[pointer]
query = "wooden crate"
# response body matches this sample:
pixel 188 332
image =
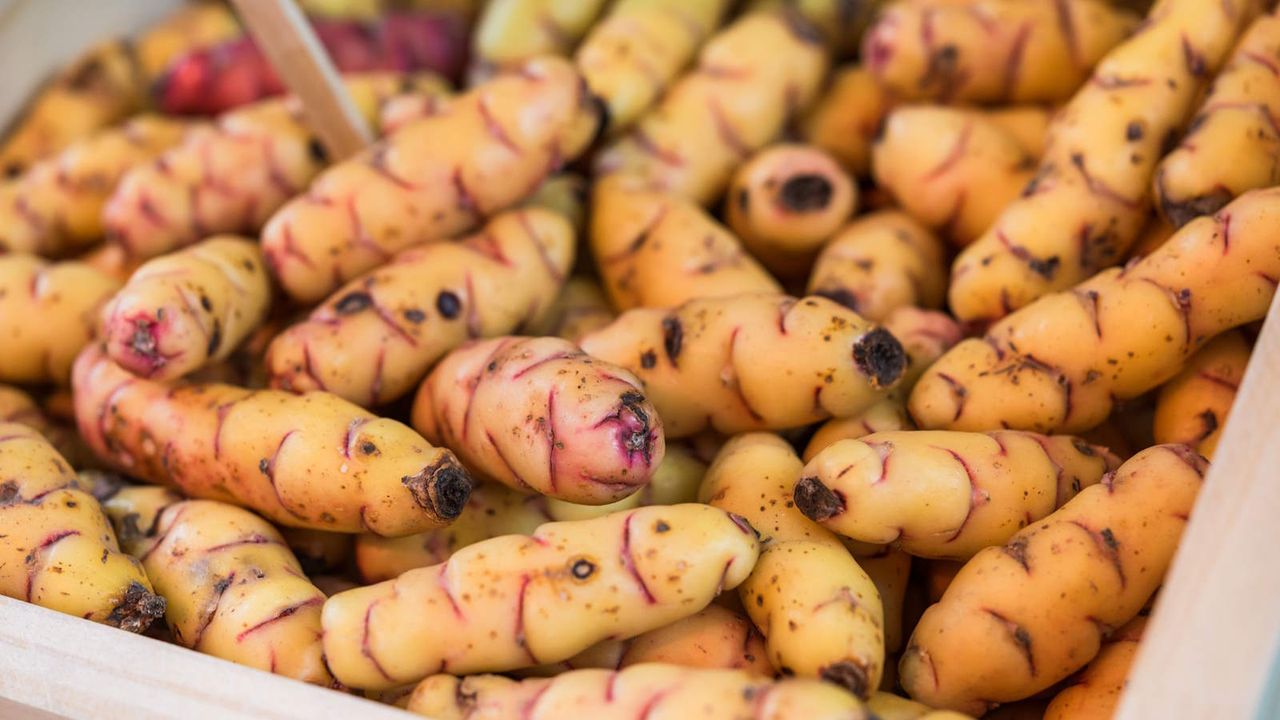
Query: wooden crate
pixel 1210 651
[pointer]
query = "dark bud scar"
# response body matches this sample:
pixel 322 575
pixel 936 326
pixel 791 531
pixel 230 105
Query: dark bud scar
pixel 744 199
pixel 806 193
pixel 817 501
pixel 648 359
pixel 414 315
pixel 352 302
pixel 582 569
pixel 848 675
pixel 442 488
pixel 1044 268
pixel 137 609
pixel 448 303
pixel 880 357
pixel 661 526
pixel 1133 131
pixel 12 170
pixel 368 448
pixel 317 152
pixel 672 337
pixel 215 339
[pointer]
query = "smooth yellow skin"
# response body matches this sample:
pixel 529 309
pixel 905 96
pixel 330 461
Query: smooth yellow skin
pixel 48 312
pixel 517 601
pixel 1095 693
pixel 305 461
pixel 819 611
pixel 55 208
pixel 751 78
pixel 1192 408
pixel 375 338
pixel 491 511
pixel 434 178
pixel 785 202
pixel 752 362
pixel 845 119
pixel 1089 200
pixel 230 176
pixel 881 262
pixel 1020 617
pixel 715 638
pixel 885 416
pixel 234 588
pixel 639 48
pixel 992 51
pixel 840 22
pixel 890 570
pixel 951 169
pixel 59 551
pixel 579 309
pixel 654 249
pixel 941 494
pixel 887 706
pixel 1028 125
pixel 98 89
pixel 17 406
pixel 926 335
pixel 1230 146
pixel 188 309
pixel 541 416
pixel 1114 337
pixel 513 31
pixel 675 481
pixel 653 691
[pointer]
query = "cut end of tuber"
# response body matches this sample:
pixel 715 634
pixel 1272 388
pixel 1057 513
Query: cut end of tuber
pixel 880 357
pixel 806 193
pixel 442 488
pixel 137 609
pixel 817 501
pixel 850 675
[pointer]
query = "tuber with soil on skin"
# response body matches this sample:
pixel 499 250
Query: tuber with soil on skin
pixel 233 588
pixel 374 339
pixel 436 177
pixel 1192 408
pixel 785 201
pixel 57 549
pixel 518 601
pixel 1020 617
pixel 946 495
pixel 540 416
pixel 313 461
pixel 192 308
pixel 654 249
pixel 1061 364
pixel 752 362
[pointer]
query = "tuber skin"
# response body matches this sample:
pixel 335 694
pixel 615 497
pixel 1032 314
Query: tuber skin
pixel 313 461
pixel 844 121
pixel 1089 199
pixel 192 308
pixel 434 178
pixel 517 601
pixel 1192 408
pixel 633 54
pixel 946 495
pixel 890 571
pixel 751 78
pixel 840 22
pixel 992 51
pixel 954 170
pixel 540 416
pixel 580 308
pixel 887 706
pixel 887 415
pixel 880 262
pixel 229 177
pixel 1230 145
pixel 654 249
pixel 48 313
pixel 785 202
pixel 715 638
pixel 565 193
pixel 57 549
pixel 376 337
pixel 1060 364
pixel 1094 694
pixel 512 32
pixel 491 511
pixel 55 208
pixel 234 589
pixel 752 362
pixel 653 691
pixel 675 480
pixel 1020 617
pixel 820 612
pixel 318 551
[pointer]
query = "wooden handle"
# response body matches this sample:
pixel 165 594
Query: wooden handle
pixel 1210 650
pixel 282 31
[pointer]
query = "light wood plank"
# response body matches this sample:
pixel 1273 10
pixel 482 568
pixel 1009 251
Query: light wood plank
pixel 1211 648
pixel 67 666
pixel 288 41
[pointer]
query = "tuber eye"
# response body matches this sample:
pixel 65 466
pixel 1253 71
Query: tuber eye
pixel 582 568
pixel 368 448
pixel 448 304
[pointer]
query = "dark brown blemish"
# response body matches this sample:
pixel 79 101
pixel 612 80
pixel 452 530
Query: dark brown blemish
pixel 448 304
pixel 880 357
pixel 817 501
pixel 137 609
pixel 317 152
pixel 850 675
pixel 648 359
pixel 672 337
pixel 806 193
pixel 442 488
pixel 352 302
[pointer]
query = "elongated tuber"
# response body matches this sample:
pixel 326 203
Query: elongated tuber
pixel 1095 693
pixel 846 119
pixel 511 32
pixel 1192 408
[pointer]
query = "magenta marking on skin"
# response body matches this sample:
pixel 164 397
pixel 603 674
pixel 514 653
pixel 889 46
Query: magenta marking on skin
pixel 610 686
pixel 651 706
pixel 1067 24
pixel 551 438
pixel 737 387
pixel 448 593
pixel 1013 63
pixel 221 415
pixel 107 403
pixel 290 246
pixel 1221 382
pixel 539 363
pixel 998 438
pixel 466 201
pixel 284 613
pixel 640 239
pixel 367 651
pixel 556 273
pixel 519 634
pixel 784 310
pixel 1098 187
pixel 29 215
pixel 269 470
pixel 221 588
pixel 1112 82
pixel 1020 638
pixel 976 498
pixel 473 312
pixel 493 127
pixel 1225 220
pixel 349 439
pixel 646 144
pixel 487 247
pixel 379 366
pixel 726 132
pixel 378 163
pixel 390 321
pixel 47 542
pixel 158 541
pixel 1107 545
pixel 40 495
pixel 361 236
pixel 276 176
pixel 497 449
pixel 527 712
pixel 307 369
pixel 1089 301
pixel 953 156
pixel 957 391
pixel 1262 60
pixel 629 563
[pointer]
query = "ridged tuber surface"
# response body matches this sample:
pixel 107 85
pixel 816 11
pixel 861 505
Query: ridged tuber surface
pixel 1192 408
pixel 1095 693
pixel 1060 364
pixel 188 309
pixel 885 416
pixel 434 178
pixel 541 416
pixel 714 638
pixel 305 461
pixel 752 362
pixel 517 601
pixel 846 118
pixel 376 337
pixel 675 481
pixel 840 22
pixel 1021 617
pixel 511 32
